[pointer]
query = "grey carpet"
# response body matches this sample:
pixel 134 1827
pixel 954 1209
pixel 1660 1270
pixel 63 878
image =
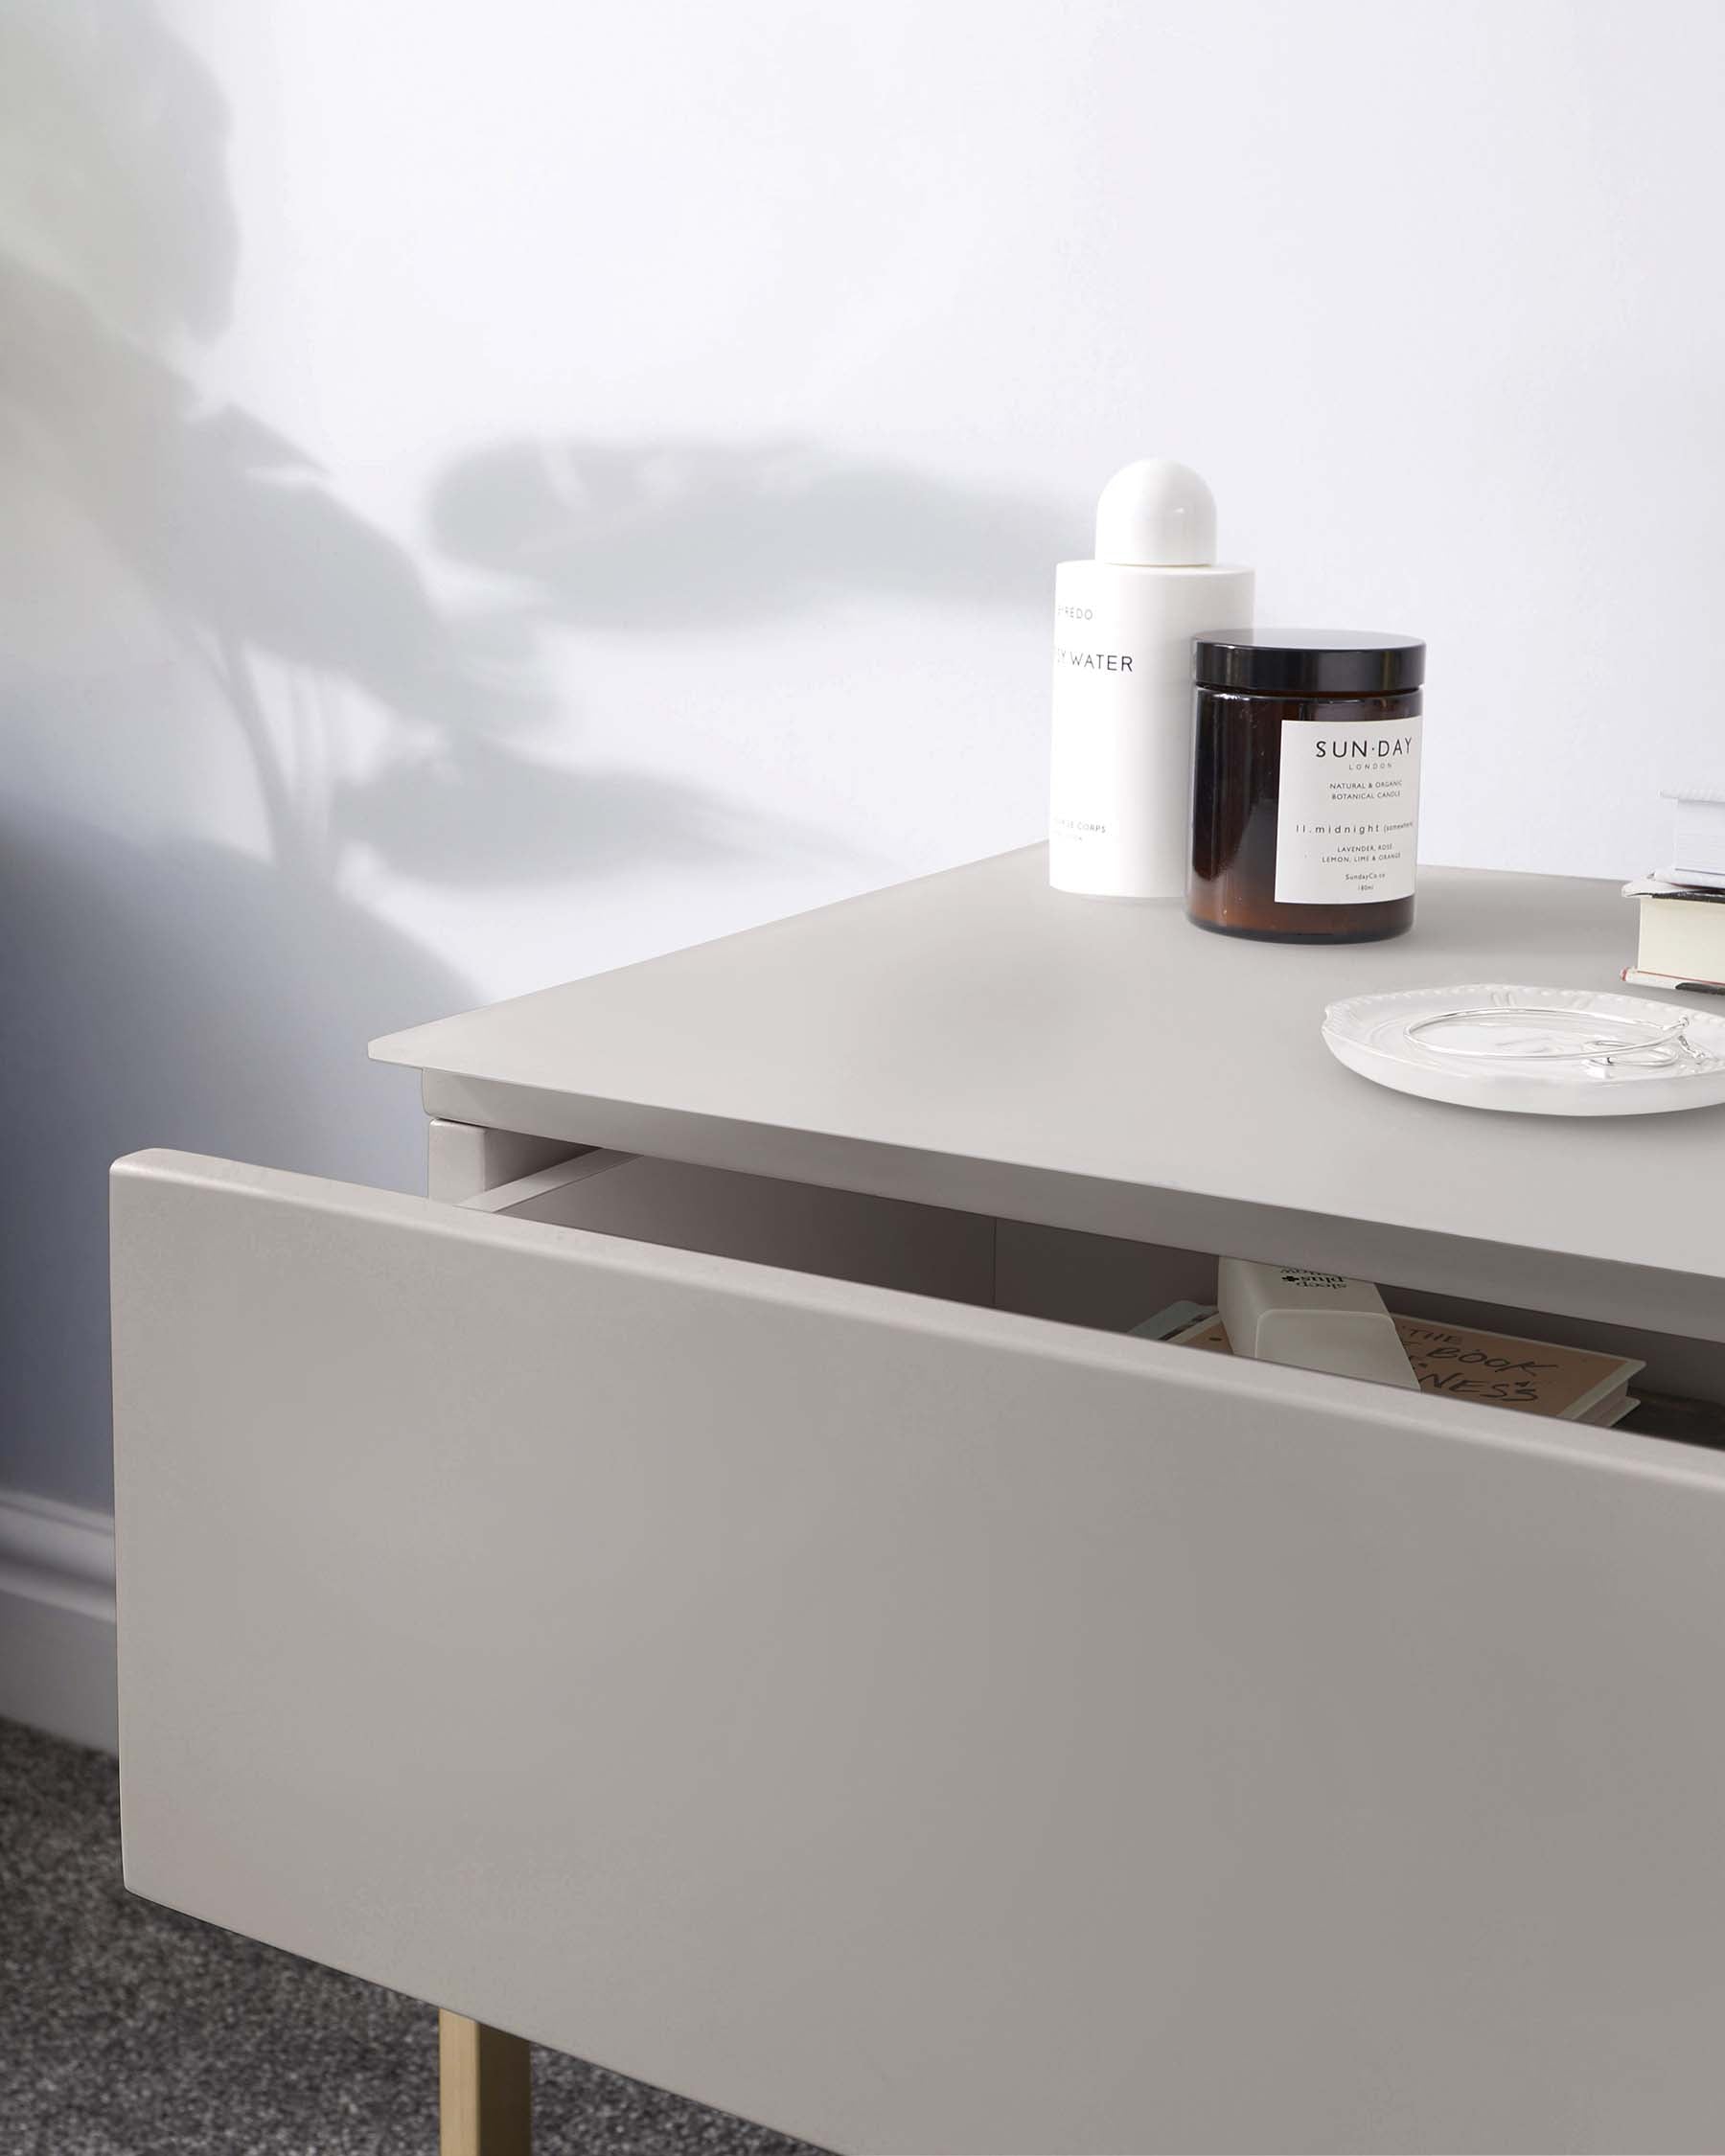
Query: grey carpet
pixel 129 2030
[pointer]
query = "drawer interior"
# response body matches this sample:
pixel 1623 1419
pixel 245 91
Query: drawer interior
pixel 1099 1282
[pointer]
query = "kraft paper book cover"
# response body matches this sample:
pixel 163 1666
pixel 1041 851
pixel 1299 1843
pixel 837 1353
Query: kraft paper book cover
pixel 1534 1377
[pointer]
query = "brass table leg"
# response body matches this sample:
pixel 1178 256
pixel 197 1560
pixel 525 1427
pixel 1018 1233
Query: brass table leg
pixel 486 2090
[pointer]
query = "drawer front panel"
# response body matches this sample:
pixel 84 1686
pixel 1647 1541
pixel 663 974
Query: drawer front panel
pixel 912 1726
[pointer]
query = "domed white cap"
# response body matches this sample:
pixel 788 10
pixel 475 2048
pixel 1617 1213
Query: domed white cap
pixel 1157 513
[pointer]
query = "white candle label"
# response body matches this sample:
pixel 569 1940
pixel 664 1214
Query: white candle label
pixel 1348 812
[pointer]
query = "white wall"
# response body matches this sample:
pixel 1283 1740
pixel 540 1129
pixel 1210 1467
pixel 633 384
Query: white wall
pixel 494 492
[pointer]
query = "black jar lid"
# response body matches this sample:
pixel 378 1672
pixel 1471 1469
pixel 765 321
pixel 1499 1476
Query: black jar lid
pixel 1308 662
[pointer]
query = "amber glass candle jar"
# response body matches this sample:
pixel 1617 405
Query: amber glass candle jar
pixel 1305 784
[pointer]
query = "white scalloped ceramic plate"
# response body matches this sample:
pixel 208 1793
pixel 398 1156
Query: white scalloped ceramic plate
pixel 1533 1052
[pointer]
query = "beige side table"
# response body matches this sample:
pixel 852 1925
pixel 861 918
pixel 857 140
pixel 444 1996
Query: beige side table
pixel 714 1587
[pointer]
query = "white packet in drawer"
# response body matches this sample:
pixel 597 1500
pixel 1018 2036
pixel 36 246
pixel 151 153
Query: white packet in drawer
pixel 1312 1320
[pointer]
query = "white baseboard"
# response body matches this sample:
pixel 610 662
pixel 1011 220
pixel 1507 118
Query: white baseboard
pixel 56 1619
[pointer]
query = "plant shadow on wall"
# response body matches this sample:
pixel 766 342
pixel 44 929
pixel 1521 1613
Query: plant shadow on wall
pixel 673 536
pixel 200 631
pixel 184 575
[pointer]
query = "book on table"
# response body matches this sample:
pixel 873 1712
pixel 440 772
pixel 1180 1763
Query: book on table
pixel 1682 941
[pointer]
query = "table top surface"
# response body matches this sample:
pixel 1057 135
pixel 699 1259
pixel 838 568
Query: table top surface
pixel 977 1016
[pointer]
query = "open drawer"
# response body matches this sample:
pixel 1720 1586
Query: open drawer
pixel 910 1722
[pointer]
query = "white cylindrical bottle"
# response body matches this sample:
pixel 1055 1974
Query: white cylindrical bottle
pixel 1121 770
